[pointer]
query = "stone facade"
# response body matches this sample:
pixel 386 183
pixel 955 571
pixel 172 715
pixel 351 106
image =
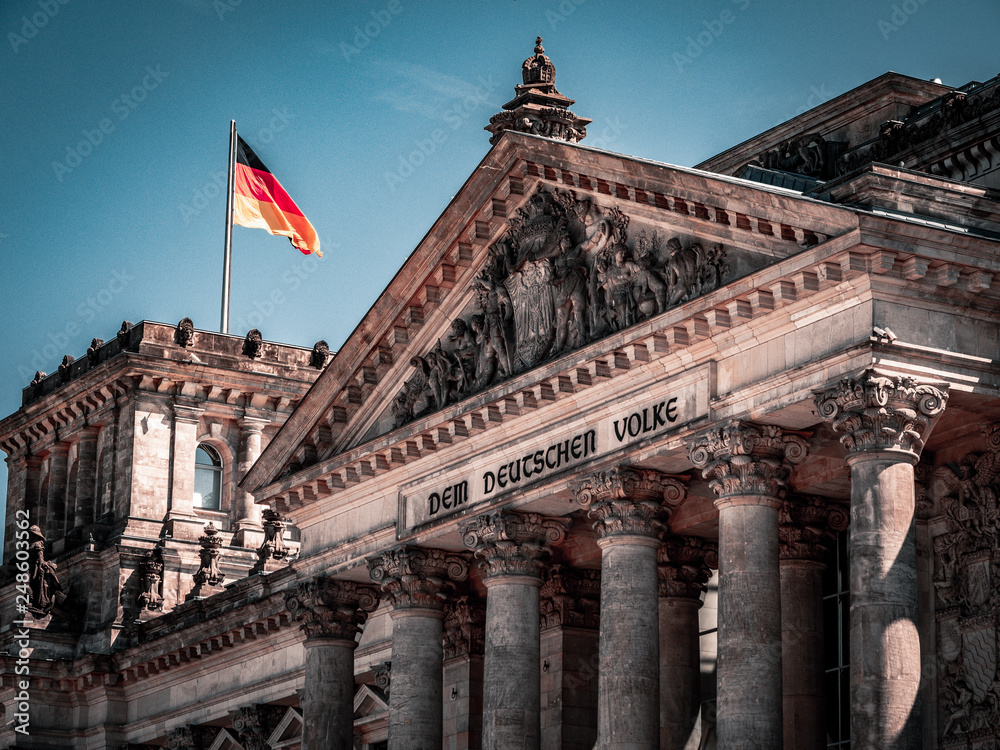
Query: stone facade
pixel 627 456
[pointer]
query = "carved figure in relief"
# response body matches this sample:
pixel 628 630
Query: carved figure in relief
pixel 496 305
pixel 486 353
pixel 464 341
pixel 617 276
pixel 442 374
pixel 43 583
pixel 570 299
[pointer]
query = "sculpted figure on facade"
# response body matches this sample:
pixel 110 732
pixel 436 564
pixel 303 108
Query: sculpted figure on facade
pixel 185 332
pixel 151 581
pixel 565 273
pixel 252 343
pixel 43 583
pixel 967 568
pixel 320 355
pixel 209 572
pixel 274 546
pixel 94 351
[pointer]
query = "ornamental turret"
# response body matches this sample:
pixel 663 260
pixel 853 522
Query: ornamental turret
pixel 538 108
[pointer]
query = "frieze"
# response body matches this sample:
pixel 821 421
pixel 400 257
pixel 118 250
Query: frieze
pixel 565 273
pixel 967 569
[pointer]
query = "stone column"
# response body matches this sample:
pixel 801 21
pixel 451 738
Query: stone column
pixel 512 549
pixel 86 477
pixel 415 582
pixel 884 421
pixel 55 501
pixel 22 495
pixel 806 531
pixel 183 447
pixel 747 466
pixel 332 613
pixel 684 568
pixel 463 645
pixel 627 507
pixel 246 513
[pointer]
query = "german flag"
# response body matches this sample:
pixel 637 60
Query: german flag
pixel 260 202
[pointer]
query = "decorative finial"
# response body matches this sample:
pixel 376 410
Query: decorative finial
pixel 539 49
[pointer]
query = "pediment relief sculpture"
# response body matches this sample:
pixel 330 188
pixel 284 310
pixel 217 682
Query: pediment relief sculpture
pixel 565 273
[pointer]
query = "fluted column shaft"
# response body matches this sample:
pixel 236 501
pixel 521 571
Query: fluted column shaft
pixel 55 500
pixel 884 421
pixel 415 582
pixel 332 613
pixel 748 466
pixel 806 532
pixel 86 477
pixel 684 573
pixel 627 506
pixel 511 549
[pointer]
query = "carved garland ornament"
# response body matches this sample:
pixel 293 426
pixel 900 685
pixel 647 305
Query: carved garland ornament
pixel 740 458
pixel 878 412
pixel 629 501
pixel 331 609
pixel 413 577
pixel 513 544
pixel 565 273
pixel 967 571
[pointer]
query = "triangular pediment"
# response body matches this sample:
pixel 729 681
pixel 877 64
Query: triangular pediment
pixel 547 249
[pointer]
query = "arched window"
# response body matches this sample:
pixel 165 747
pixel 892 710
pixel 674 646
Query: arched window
pixel 207 478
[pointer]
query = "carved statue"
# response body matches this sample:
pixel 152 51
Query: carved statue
pixel 43 583
pixel 94 351
pixel 320 354
pixel 151 580
pixel 274 546
pixel 65 367
pixel 185 332
pixel 253 343
pixel 209 572
pixel 565 273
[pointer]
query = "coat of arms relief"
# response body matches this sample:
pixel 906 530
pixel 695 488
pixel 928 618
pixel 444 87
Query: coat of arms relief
pixel 566 272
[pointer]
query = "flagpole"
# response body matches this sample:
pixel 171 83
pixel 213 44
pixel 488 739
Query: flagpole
pixel 229 228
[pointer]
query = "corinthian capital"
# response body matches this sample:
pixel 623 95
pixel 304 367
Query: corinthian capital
pixel 464 627
pixel 331 609
pixel 879 412
pixel 630 502
pixel 807 527
pixel 685 565
pixel 513 544
pixel 744 459
pixel 412 577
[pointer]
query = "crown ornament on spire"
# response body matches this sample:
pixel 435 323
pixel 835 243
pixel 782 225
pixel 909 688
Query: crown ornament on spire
pixel 538 108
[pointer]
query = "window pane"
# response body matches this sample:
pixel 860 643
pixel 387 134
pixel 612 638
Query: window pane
pixel 203 457
pixel 206 488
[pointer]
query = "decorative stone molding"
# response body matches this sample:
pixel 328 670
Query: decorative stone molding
pixel 685 566
pixel 879 412
pixel 464 627
pixel 745 459
pixel 966 561
pixel 254 724
pixel 417 578
pixel 565 273
pixel 807 526
pixel 151 580
pixel 184 335
pixel 331 609
pixel 382 674
pixel 513 544
pixel 627 501
pixel 570 597
pixel 211 544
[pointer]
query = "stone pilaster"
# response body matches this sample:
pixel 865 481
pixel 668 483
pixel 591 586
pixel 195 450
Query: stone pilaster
pixel 628 508
pixel 415 582
pixel 183 447
pixel 332 614
pixel 747 466
pixel 86 478
pixel 684 570
pixel 464 644
pixel 55 499
pixel 806 532
pixel 247 515
pixel 883 421
pixel 512 550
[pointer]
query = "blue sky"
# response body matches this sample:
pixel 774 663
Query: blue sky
pixel 114 133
